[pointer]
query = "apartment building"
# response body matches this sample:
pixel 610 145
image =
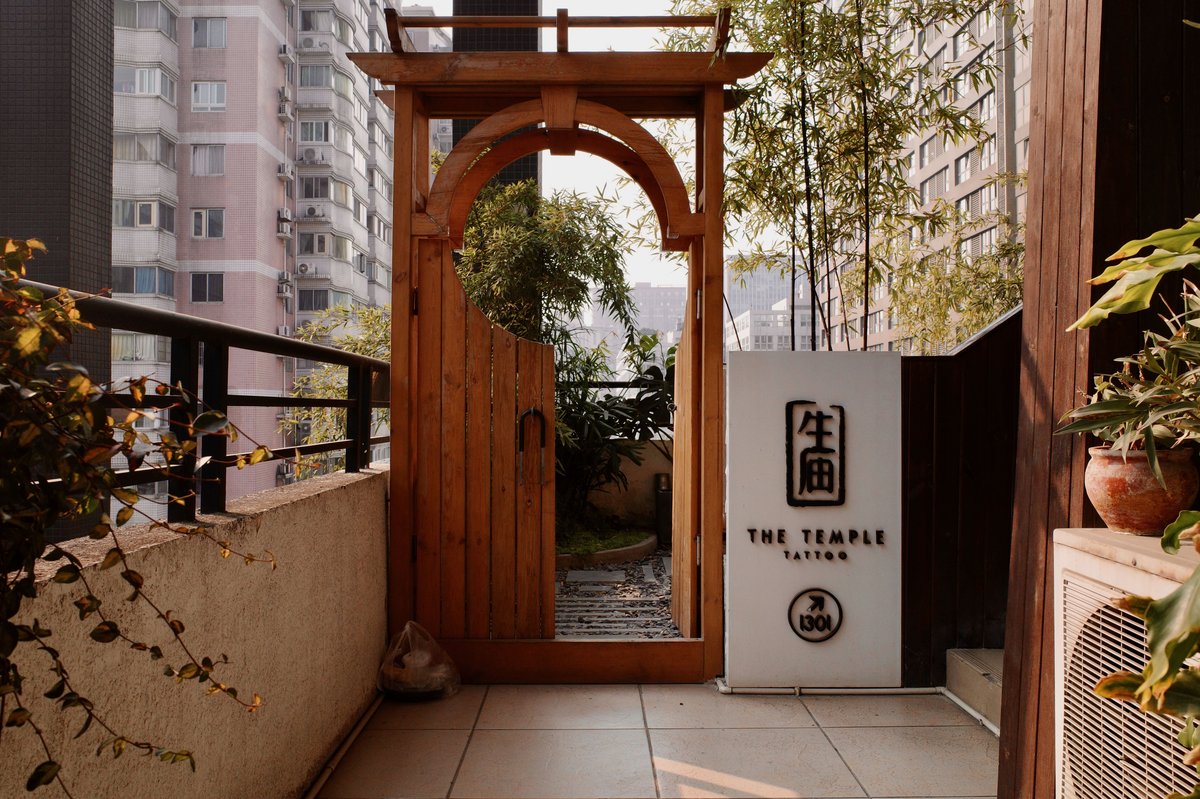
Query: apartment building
pixel 759 315
pixel 962 175
pixel 252 168
pixel 473 40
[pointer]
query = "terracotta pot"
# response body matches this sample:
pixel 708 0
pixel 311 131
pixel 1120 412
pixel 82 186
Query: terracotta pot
pixel 1128 497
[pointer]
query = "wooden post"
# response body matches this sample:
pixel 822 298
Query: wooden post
pixel 1112 107
pixel 400 577
pixel 712 389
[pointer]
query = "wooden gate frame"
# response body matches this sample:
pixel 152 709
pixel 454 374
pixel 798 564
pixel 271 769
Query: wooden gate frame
pixel 560 91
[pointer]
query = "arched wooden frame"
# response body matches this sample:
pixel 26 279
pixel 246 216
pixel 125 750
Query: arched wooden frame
pixel 630 147
pixel 604 93
pixel 532 141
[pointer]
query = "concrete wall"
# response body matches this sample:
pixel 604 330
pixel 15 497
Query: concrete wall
pixel 636 504
pixel 308 637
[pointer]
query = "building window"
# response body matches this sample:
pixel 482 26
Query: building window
pixel 208 287
pixel 143 214
pixel 208 32
pixel 930 149
pixel 314 244
pixel 143 280
pixel 153 147
pixel 319 21
pixel 146 15
pixel 935 186
pixel 314 188
pixel 987 153
pixel 140 347
pixel 316 75
pixel 313 300
pixel 962 168
pixel 315 131
pixel 1022 104
pixel 129 79
pixel 208 95
pixel 208 159
pixel 208 223
pixel 984 109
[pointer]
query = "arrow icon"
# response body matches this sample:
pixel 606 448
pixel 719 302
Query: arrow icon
pixel 818 604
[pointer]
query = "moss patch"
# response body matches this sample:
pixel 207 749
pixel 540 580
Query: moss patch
pixel 589 542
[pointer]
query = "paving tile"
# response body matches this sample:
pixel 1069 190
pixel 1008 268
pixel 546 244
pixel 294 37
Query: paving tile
pixel 398 764
pixel 456 713
pixel 920 761
pixel 703 707
pixel 556 764
pixel 561 707
pixel 886 711
pixel 749 763
pixel 595 576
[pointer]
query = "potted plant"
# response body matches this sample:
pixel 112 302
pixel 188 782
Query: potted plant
pixel 1146 412
pixel 1159 384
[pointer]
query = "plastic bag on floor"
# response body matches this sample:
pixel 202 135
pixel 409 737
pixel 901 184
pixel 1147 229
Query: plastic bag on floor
pixel 416 667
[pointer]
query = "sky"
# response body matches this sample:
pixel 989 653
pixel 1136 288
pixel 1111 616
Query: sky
pixel 585 173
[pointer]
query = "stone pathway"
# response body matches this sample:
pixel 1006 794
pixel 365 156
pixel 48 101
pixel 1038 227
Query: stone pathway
pixel 622 600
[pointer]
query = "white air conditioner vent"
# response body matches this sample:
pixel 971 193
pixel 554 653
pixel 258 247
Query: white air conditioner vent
pixel 307 43
pixel 283 330
pixel 1108 749
pixel 304 269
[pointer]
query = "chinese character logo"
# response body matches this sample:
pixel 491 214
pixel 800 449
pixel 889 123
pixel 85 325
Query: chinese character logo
pixel 816 459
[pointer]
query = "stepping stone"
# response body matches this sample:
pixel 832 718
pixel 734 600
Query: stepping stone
pixel 667 566
pixel 594 576
pixel 648 574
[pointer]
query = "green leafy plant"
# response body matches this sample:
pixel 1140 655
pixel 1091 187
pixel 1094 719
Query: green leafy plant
pixel 818 165
pixel 60 435
pixel 1135 277
pixel 1153 401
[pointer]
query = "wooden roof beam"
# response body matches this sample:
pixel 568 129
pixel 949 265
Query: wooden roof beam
pixel 399 39
pixel 614 70
pixel 681 21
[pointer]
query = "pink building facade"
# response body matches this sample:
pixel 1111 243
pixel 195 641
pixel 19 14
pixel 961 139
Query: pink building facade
pixel 251 180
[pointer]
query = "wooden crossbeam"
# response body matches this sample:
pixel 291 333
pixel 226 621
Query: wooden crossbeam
pixel 694 21
pixel 630 70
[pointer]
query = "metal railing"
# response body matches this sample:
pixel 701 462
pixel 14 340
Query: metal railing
pixel 366 388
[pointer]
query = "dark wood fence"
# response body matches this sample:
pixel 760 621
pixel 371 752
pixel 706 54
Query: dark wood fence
pixel 960 441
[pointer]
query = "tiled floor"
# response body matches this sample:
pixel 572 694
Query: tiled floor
pixel 649 741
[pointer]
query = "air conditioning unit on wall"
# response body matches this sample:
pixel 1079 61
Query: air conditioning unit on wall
pixel 1105 748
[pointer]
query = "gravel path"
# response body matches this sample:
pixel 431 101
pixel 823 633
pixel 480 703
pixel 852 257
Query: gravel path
pixel 621 600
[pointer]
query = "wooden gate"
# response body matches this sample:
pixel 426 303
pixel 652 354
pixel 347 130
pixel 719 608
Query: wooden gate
pixel 472 494
pixel 483 407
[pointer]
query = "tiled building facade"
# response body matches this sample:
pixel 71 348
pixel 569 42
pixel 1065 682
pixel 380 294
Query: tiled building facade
pixel 252 168
pixel 471 40
pixel 963 175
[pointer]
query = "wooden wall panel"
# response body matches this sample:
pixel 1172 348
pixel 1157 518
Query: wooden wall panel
pixel 478 474
pixel 427 477
pixel 454 453
pixel 529 492
pixel 504 483
pixel 957 499
pixel 1112 157
pixel 548 518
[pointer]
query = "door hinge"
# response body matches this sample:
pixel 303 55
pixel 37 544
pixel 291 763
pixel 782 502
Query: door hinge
pixel 697 550
pixel 698 297
pixel 413 302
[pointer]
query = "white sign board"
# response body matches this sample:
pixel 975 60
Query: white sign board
pixel 812 591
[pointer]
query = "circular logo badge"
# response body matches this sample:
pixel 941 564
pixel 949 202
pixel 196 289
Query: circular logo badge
pixel 815 615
